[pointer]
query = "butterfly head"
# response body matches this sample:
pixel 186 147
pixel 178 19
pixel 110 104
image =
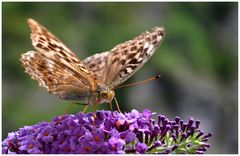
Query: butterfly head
pixel 107 95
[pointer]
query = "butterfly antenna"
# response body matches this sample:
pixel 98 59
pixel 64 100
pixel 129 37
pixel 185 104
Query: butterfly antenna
pixel 140 82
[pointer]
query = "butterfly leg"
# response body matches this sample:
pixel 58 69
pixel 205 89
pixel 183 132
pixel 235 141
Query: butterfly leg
pixel 94 110
pixel 82 104
pixel 68 109
pixel 85 108
pixel 111 106
pixel 65 113
pixel 117 105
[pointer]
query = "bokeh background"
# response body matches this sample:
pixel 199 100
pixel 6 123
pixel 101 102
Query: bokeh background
pixel 197 61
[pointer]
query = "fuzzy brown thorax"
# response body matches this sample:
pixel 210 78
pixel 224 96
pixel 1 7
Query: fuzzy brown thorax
pixel 105 95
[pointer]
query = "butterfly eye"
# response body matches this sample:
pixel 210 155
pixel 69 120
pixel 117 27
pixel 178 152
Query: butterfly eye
pixel 104 95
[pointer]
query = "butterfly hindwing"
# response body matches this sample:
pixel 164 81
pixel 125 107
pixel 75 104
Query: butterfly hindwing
pixel 120 63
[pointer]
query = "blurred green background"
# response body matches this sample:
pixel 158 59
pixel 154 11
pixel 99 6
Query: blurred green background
pixel 197 60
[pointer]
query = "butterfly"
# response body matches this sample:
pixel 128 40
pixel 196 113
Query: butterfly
pixel 91 81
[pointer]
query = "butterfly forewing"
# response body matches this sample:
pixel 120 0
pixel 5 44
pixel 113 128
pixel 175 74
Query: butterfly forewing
pixel 120 63
pixel 54 66
pixel 49 45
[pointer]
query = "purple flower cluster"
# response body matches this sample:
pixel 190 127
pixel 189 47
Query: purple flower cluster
pixel 108 132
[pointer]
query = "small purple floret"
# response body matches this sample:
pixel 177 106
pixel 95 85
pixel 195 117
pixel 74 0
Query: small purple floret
pixel 141 147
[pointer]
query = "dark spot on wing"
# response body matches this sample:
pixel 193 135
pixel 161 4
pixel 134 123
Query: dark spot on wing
pixel 130 56
pixel 147 39
pixel 145 50
pixel 115 53
pixel 45 48
pixel 42 65
pixel 154 37
pixel 143 55
pixel 39 45
pixel 125 52
pixel 92 65
pixel 42 39
pixel 115 60
pixel 134 61
pixel 124 47
pixel 67 59
pixel 132 66
pixel 123 62
pixel 161 33
pixel 50 47
pixel 125 71
pixel 49 79
pixel 139 50
pixel 62 53
pixel 99 62
pixel 133 48
pixel 60 47
pixel 75 60
pixel 155 42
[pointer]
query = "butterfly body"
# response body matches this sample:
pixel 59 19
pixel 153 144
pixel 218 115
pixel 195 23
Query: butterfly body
pixel 101 95
pixel 93 80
